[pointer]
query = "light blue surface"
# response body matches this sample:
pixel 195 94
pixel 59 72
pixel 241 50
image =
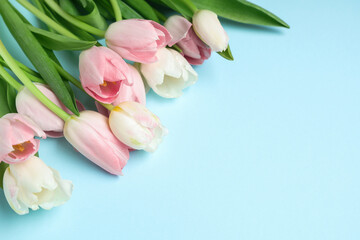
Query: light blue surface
pixel 266 147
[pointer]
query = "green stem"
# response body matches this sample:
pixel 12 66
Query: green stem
pixel 76 22
pixel 34 76
pixel 47 20
pixel 9 79
pixel 116 9
pixel 27 82
pixel 107 106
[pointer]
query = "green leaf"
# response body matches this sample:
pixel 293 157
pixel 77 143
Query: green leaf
pixel 105 9
pixel 241 11
pixel 36 54
pixel 129 12
pixel 184 7
pixel 4 107
pixel 11 96
pixel 227 54
pixel 84 10
pixel 77 31
pixel 59 42
pixel 143 8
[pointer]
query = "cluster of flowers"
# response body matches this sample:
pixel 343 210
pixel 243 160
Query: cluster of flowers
pixel 122 123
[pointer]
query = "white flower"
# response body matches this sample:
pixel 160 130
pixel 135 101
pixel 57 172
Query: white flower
pixel 209 29
pixel 32 183
pixel 170 74
pixel 137 127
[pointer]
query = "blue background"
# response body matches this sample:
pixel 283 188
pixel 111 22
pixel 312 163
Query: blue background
pixel 265 147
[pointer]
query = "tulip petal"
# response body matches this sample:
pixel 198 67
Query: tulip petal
pixel 178 27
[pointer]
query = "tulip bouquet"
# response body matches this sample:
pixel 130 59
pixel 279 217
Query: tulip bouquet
pixel 40 103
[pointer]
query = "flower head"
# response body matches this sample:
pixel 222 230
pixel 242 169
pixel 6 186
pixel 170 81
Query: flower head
pixel 102 73
pixel 90 134
pixel 208 27
pixel 17 141
pixel 137 127
pixel 32 184
pixel 137 39
pixel 193 48
pixel 170 74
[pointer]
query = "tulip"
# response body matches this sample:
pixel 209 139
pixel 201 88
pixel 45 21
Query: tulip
pixel 102 73
pixel 90 134
pixel 134 93
pixel 27 104
pixel 208 27
pixel 17 141
pixel 170 75
pixel 193 49
pixel 136 39
pixel 32 184
pixel 137 127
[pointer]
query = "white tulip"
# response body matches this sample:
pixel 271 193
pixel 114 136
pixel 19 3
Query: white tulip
pixel 137 127
pixel 170 74
pixel 32 183
pixel 209 29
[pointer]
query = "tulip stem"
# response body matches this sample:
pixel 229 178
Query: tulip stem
pixel 116 9
pixel 9 79
pixel 11 62
pixel 107 106
pixel 76 22
pixel 47 20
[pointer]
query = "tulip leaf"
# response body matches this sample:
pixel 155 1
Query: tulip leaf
pixel 11 96
pixel 227 54
pixel 86 11
pixel 36 54
pixel 77 31
pixel 59 42
pixel 184 7
pixel 129 12
pixel 4 107
pixel 241 11
pixel 143 8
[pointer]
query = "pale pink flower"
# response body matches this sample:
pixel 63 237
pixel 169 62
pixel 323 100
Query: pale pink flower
pixel 90 134
pixel 193 48
pixel 136 39
pixel 17 142
pixel 102 73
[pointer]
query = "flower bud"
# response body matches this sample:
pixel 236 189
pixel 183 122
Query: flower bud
pixel 193 48
pixel 137 127
pixel 32 184
pixel 90 134
pixel 137 39
pixel 170 74
pixel 102 73
pixel 17 138
pixel 27 104
pixel 208 27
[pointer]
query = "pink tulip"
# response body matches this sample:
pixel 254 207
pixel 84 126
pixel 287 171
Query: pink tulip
pixel 193 48
pixel 102 73
pixel 27 104
pixel 90 134
pixel 17 141
pixel 134 93
pixel 136 39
